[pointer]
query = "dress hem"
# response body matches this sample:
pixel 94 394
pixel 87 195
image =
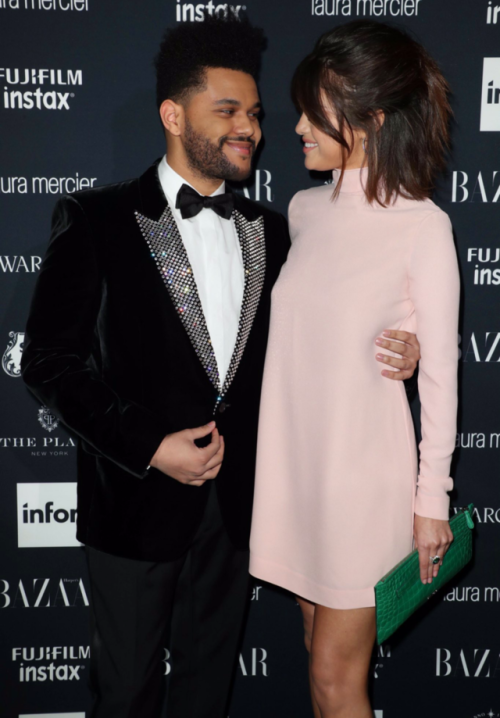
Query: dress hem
pixel 310 590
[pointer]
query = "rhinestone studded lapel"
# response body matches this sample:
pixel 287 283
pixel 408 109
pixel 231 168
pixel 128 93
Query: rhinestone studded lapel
pixel 253 249
pixel 168 251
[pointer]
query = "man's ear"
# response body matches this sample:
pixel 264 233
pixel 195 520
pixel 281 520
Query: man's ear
pixel 172 117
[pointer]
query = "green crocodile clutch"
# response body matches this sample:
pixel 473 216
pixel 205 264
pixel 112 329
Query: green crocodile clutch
pixel 400 592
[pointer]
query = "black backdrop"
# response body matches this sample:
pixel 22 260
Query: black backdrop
pixel 77 110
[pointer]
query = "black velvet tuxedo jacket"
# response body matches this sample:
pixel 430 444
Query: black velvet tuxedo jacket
pixel 117 346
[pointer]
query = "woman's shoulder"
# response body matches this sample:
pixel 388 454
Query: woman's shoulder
pixel 308 199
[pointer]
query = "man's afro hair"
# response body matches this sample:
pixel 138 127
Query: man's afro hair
pixel 187 50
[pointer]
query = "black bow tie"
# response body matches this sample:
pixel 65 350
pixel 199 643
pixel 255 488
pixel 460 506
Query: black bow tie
pixel 191 203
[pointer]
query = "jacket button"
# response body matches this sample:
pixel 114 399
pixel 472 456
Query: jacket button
pixel 223 406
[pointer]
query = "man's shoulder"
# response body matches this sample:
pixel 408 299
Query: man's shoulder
pixel 106 197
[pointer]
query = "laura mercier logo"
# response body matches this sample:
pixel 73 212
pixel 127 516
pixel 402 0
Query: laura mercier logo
pixel 490 99
pixel 365 8
pixel 65 5
pixel 39 99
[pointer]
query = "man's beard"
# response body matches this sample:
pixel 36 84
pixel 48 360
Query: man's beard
pixel 208 160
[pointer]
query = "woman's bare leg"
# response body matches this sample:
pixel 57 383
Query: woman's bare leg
pixel 341 649
pixel 307 609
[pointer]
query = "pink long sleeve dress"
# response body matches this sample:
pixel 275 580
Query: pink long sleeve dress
pixel 336 485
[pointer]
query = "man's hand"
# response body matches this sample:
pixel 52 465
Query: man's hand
pixel 404 344
pixel 179 457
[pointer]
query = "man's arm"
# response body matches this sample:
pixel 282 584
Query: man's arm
pixel 59 337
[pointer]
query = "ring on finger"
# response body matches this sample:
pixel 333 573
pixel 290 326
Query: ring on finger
pixel 435 559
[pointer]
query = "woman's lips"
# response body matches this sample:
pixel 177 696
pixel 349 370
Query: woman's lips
pixel 309 146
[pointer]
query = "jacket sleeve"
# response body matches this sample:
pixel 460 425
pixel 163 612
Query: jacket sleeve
pixel 435 292
pixel 59 336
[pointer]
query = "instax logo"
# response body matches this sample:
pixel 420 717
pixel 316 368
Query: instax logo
pixel 490 99
pixel 46 515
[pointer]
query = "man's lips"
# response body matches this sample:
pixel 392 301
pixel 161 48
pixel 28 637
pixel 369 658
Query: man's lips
pixel 242 148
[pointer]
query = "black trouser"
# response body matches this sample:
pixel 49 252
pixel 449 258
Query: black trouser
pixel 132 604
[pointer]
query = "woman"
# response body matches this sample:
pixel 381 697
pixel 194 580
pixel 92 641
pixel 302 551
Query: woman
pixel 337 503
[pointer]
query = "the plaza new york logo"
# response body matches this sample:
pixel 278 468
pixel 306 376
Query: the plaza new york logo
pixel 11 360
pixel 195 12
pixel 45 97
pixel 47 420
pixel 490 98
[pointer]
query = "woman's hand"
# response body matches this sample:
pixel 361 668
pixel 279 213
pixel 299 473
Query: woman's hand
pixel 432 538
pixel 407 346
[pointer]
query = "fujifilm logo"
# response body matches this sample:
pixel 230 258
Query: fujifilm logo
pixel 30 670
pixel 490 99
pixel 46 515
pixel 492 14
pixel 39 99
pixel 195 12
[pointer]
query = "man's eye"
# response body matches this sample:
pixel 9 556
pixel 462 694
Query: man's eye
pixel 228 112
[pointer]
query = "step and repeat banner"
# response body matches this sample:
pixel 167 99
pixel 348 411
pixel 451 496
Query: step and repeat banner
pixel 77 110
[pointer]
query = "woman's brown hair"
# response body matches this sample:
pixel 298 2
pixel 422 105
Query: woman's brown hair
pixel 361 69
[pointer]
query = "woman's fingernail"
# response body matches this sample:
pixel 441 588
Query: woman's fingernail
pixel 380 356
pixel 379 341
pixel 386 333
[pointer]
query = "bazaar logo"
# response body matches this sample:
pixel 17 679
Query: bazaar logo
pixel 11 360
pixel 476 188
pixel 44 593
pixel 46 515
pixel 47 420
pixel 471 663
pixel 195 12
pixel 479 350
pixel 490 99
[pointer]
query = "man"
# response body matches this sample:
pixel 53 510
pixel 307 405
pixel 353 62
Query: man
pixel 172 263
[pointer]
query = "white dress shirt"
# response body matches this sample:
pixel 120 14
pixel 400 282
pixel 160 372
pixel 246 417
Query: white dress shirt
pixel 214 252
